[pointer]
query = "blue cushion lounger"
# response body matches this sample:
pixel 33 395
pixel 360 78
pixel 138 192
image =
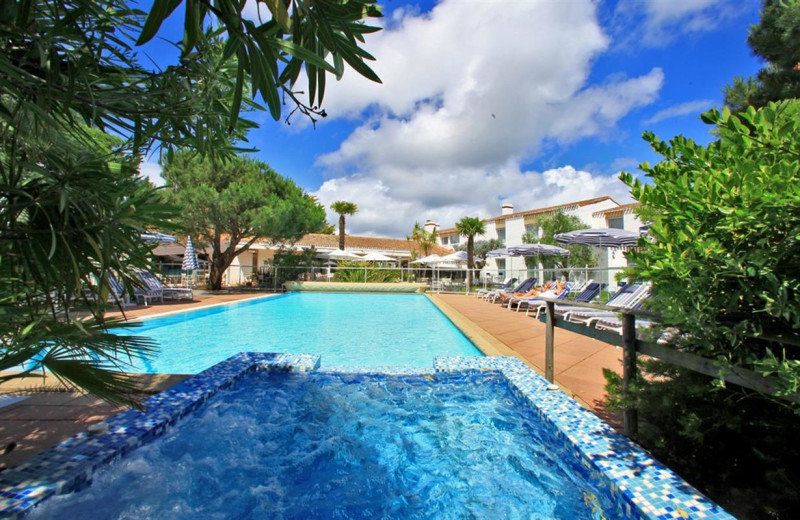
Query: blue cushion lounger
pixel 562 311
pixel 505 286
pixel 535 300
pixel 626 299
pixel 489 294
pixel 589 293
pixel 524 287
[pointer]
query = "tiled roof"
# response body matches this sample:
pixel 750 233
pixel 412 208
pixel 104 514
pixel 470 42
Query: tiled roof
pixel 537 211
pixel 617 211
pixel 399 245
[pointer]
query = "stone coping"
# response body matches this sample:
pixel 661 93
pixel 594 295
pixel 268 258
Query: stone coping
pixel 641 486
pixel 394 287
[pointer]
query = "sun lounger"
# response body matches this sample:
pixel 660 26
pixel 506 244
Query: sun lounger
pixel 589 293
pixel 154 289
pixel 505 286
pixel 536 300
pixel 614 324
pixel 629 297
pixel 524 287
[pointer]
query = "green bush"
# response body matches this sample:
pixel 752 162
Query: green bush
pixel 725 267
pixel 355 273
pixel 725 261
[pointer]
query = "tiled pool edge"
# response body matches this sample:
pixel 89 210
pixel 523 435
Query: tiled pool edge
pixel 69 465
pixel 645 488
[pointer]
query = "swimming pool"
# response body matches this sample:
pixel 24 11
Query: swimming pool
pixel 475 437
pixel 375 330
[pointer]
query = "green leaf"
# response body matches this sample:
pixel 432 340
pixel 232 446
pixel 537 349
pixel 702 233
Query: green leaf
pixel 158 13
pixel 280 14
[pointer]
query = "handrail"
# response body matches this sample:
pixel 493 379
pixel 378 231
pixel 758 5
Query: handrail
pixel 632 346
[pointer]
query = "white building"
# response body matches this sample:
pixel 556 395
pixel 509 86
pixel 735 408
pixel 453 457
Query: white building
pixel 510 226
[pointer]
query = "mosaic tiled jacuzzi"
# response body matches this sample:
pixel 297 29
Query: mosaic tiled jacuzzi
pixel 274 436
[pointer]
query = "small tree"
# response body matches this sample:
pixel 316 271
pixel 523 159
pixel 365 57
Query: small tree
pixel 470 226
pixel 550 225
pixel 725 267
pixel 232 205
pixel 774 40
pixel 343 208
pixel 424 239
pixel 725 263
pixel 482 247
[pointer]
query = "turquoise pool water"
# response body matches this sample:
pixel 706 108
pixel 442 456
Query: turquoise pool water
pixel 368 330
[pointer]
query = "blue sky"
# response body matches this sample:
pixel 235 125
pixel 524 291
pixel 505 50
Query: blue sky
pixel 529 102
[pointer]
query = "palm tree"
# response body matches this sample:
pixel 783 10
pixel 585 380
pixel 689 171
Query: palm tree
pixel 425 239
pixel 470 226
pixel 343 208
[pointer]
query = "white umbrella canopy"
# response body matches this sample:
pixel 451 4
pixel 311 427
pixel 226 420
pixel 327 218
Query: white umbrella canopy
pixel 377 257
pixel 430 259
pixel 338 254
pixel 458 256
pixel 538 250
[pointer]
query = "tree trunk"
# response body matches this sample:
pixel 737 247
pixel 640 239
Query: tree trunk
pixel 341 231
pixel 470 263
pixel 217 269
pixel 220 260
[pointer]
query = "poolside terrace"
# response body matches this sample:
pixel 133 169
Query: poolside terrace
pixel 53 412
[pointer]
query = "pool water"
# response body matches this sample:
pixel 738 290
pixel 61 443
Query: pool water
pixel 332 445
pixel 366 330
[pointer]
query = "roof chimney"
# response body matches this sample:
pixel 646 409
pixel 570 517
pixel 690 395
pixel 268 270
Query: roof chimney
pixel 507 209
pixel 430 226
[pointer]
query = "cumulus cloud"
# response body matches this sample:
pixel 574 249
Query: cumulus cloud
pixel 152 171
pixel 681 109
pixel 389 206
pixel 656 23
pixel 471 92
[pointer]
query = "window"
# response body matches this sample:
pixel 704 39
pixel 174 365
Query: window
pixel 501 266
pixel 445 241
pixel 455 239
pixel 501 234
pixel 616 223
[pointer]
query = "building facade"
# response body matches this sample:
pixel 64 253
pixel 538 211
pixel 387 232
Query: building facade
pixel 511 225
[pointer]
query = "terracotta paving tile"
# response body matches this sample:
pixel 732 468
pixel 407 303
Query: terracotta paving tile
pixel 579 360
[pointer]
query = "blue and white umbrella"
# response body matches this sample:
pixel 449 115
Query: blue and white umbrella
pixel 157 237
pixel 499 253
pixel 538 250
pixel 601 237
pixel 189 257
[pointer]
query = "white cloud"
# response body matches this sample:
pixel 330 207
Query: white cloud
pixel 656 23
pixel 152 171
pixel 681 109
pixel 470 93
pixel 389 204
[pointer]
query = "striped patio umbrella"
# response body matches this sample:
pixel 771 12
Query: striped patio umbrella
pixel 538 250
pixel 155 236
pixel 189 257
pixel 602 237
pixel 499 253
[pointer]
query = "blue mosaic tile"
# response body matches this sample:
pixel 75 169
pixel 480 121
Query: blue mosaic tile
pixel 642 487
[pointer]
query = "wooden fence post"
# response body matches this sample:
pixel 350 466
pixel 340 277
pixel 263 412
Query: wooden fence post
pixel 630 418
pixel 549 365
